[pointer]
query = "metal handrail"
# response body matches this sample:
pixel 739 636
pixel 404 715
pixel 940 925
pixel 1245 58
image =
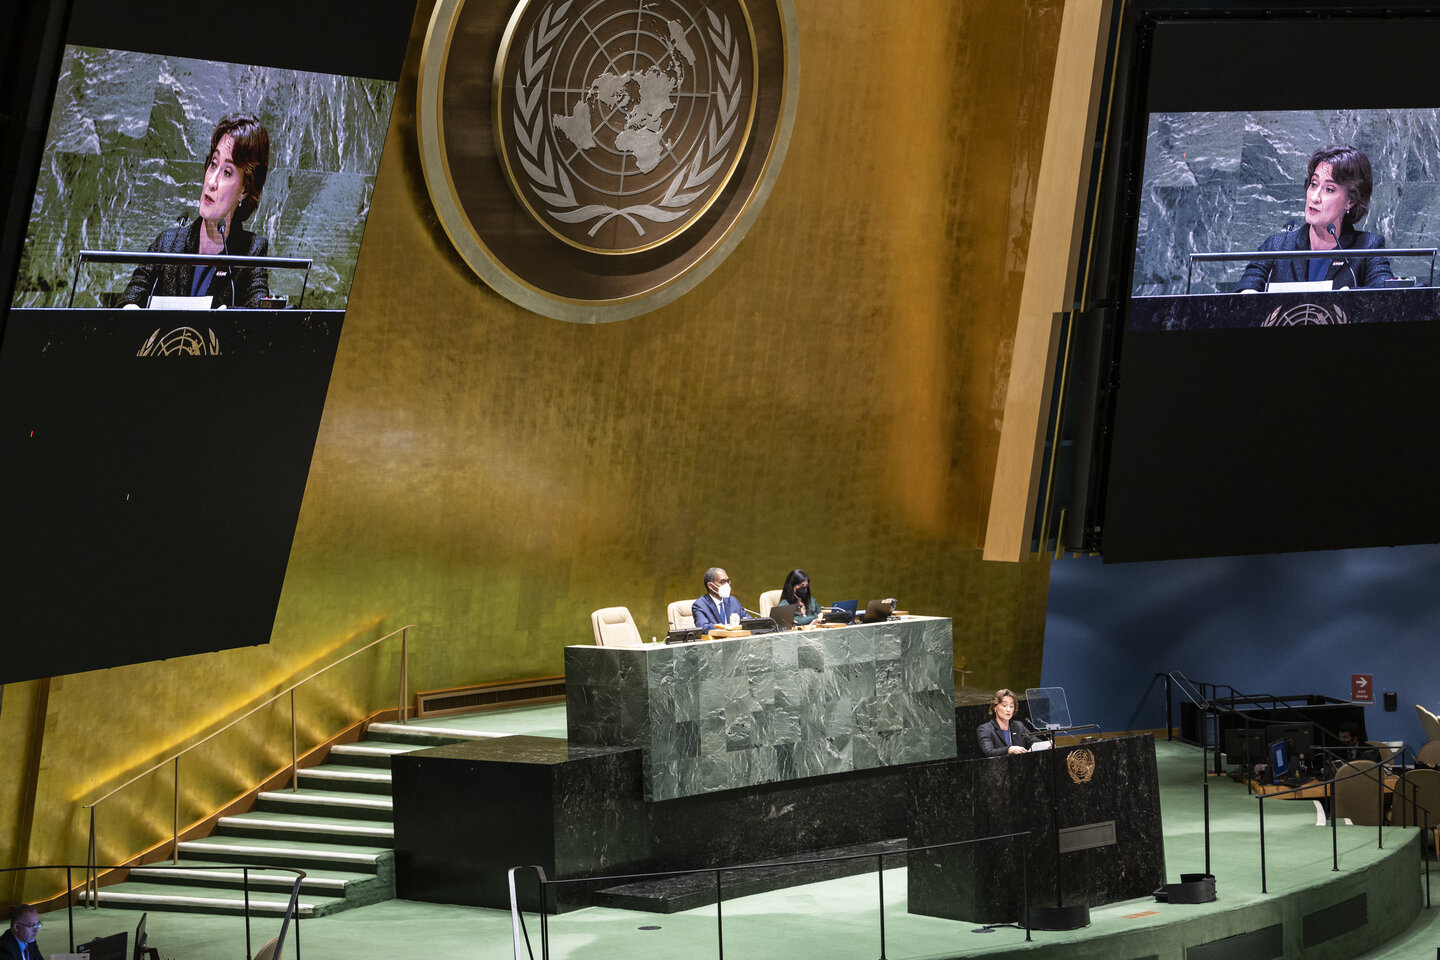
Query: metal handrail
pixel 244 868
pixel 517 917
pixel 1376 772
pixel 92 883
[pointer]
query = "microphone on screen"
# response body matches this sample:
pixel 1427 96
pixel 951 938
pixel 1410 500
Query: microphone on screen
pixel 225 249
pixel 1344 265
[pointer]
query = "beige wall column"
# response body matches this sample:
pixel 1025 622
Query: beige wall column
pixel 1050 274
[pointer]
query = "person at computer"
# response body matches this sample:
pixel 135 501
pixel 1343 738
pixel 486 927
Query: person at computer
pixel 18 943
pixel 796 592
pixel 1337 196
pixel 716 608
pixel 1002 733
pixel 1351 746
pixel 235 172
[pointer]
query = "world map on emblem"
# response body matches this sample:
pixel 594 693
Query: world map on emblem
pixel 627 116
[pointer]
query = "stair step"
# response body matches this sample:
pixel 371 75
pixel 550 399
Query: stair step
pixel 230 876
pixel 428 735
pixel 371 753
pixel 299 853
pixel 299 826
pixel 342 777
pixel 152 896
pixel 357 806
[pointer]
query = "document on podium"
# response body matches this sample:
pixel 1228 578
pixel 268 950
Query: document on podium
pixel 1039 745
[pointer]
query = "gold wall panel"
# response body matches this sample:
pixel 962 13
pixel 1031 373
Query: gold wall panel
pixel 828 398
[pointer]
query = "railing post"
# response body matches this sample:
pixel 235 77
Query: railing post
pixel 175 817
pixel 880 873
pixel 70 907
pixel 1025 876
pixel 401 713
pixel 92 867
pixel 245 881
pixel 294 750
pixel 1334 829
pixel 1379 806
pixel 719 925
pixel 1261 800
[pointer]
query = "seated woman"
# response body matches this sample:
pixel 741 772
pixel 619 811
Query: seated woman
pixel 1004 734
pixel 797 592
pixel 235 173
pixel 1337 196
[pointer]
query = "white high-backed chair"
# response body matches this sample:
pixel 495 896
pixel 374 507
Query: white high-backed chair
pixel 614 627
pixel 768 599
pixel 1428 722
pixel 680 616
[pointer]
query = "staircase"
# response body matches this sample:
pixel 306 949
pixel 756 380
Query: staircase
pixel 337 827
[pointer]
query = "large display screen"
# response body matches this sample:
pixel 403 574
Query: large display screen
pixel 156 457
pixel 1279 401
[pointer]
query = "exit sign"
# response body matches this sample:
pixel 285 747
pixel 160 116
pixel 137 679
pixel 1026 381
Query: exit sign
pixel 1362 688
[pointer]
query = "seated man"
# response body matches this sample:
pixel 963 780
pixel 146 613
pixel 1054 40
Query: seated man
pixel 1352 747
pixel 716 607
pixel 18 943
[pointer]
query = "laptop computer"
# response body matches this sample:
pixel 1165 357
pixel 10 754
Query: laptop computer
pixel 784 615
pixel 877 610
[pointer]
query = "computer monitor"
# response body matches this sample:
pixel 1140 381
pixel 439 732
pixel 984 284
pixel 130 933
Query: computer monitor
pixel 1299 739
pixel 1279 760
pixel 1245 745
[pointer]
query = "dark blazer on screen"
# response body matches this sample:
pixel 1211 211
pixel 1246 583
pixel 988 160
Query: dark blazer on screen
pixel 251 284
pixel 1354 273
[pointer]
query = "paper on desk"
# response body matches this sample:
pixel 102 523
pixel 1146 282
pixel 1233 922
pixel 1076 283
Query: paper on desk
pixel 1039 745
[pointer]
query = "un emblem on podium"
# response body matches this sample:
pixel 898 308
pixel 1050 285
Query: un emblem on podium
pixel 1080 764
pixel 635 141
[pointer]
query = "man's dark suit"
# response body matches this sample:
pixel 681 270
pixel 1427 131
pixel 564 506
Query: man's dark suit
pixel 708 611
pixel 10 948
pixel 251 284
pixel 992 741
pixel 1354 273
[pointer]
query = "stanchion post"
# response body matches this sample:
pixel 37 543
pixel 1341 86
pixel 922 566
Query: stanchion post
pixel 245 885
pixel 1334 829
pixel 70 908
pixel 175 816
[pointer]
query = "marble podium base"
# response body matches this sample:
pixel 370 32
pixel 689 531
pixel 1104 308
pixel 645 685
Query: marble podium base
pixel 1094 822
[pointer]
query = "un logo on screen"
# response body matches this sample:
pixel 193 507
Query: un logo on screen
pixel 592 160
pixel 626 119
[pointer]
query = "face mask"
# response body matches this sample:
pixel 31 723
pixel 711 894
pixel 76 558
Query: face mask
pixel 724 591
pixel 803 593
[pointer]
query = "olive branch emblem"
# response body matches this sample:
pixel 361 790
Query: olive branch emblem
pixel 545 170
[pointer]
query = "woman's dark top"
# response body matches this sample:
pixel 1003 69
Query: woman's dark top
pixel 812 610
pixel 1369 272
pixel 992 738
pixel 250 284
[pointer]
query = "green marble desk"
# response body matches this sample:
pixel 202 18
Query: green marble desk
pixel 721 714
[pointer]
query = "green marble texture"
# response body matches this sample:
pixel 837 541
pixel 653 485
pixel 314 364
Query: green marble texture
pixel 126 150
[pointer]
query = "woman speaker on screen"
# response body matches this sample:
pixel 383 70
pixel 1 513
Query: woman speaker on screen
pixel 1337 196
pixel 230 191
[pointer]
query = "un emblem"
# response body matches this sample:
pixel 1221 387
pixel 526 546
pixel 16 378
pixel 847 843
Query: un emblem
pixel 635 141
pixel 1305 315
pixel 1080 764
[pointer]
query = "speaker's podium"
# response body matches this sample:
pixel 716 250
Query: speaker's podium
pixel 1093 812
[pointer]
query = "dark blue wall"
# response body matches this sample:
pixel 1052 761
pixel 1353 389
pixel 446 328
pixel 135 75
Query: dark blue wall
pixel 1276 624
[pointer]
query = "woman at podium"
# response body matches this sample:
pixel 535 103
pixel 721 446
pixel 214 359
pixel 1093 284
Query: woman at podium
pixel 235 171
pixel 1002 733
pixel 1337 196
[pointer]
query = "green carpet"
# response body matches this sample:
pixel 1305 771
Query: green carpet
pixel 840 918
